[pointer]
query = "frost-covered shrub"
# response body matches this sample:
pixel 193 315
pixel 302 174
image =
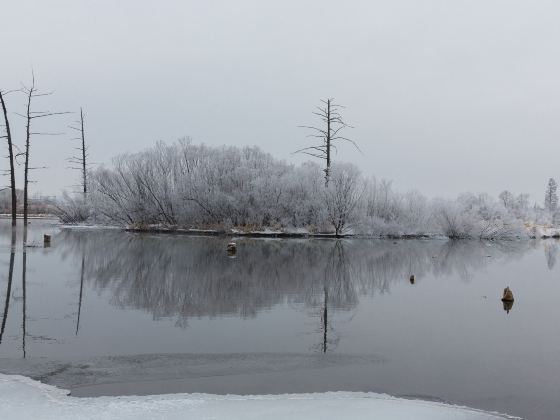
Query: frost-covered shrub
pixel 454 220
pixel 389 213
pixel 72 210
pixel 477 216
pixel 343 197
pixel 194 185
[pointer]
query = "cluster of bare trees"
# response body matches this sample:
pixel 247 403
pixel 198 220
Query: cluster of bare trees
pixel 22 156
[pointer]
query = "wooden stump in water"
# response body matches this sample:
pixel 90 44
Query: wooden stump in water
pixel 508 295
pixel 231 248
pixel 47 240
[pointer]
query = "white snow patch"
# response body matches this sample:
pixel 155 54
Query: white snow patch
pixel 299 230
pixel 542 231
pixel 22 398
pixel 92 227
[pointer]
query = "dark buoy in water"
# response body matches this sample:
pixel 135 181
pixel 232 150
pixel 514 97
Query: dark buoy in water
pixel 412 279
pixel 47 240
pixel 508 295
pixel 231 248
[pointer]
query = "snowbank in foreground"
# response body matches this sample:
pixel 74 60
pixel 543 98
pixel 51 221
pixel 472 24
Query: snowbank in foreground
pixel 22 398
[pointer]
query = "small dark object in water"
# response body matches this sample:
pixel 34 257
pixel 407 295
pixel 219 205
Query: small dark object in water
pixel 412 279
pixel 508 304
pixel 508 295
pixel 47 240
pixel 231 248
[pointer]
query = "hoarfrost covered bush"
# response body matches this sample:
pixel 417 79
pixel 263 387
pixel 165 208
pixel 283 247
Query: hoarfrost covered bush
pixel 72 210
pixel 197 185
pixel 343 196
pixel 453 221
pixel 477 216
pixel 390 213
pixel 187 185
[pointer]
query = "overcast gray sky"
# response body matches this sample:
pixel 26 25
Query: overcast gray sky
pixel 446 96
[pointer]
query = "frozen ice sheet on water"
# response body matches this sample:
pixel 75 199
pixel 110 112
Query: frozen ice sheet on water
pixel 22 398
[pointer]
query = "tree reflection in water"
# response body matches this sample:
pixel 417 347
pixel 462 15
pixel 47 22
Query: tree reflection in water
pixel 81 292
pixel 183 277
pixel 24 290
pixel 550 253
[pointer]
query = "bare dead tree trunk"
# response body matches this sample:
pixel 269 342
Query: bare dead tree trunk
pixel 31 92
pixel 329 114
pixel 84 172
pixel 328 142
pixel 9 288
pixel 80 161
pixel 11 158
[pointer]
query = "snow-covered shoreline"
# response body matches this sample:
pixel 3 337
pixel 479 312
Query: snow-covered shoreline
pixel 533 232
pixel 22 398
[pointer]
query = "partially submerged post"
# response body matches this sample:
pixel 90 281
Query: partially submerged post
pixel 231 248
pixel 412 279
pixel 47 240
pixel 507 299
pixel 508 295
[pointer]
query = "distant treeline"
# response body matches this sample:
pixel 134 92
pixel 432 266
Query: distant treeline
pixel 197 186
pixel 37 204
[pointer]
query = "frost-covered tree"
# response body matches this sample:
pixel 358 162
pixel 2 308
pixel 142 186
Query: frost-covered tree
pixel 200 186
pixel 31 92
pixel 551 197
pixel 342 196
pixel 197 186
pixel 507 199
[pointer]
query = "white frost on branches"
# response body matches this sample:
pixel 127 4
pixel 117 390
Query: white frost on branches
pixel 197 186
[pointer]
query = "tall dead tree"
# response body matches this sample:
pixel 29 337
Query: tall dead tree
pixel 8 137
pixel 31 92
pixel 80 160
pixel 9 286
pixel 329 134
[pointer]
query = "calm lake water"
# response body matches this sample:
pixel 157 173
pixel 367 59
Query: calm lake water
pixel 105 312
